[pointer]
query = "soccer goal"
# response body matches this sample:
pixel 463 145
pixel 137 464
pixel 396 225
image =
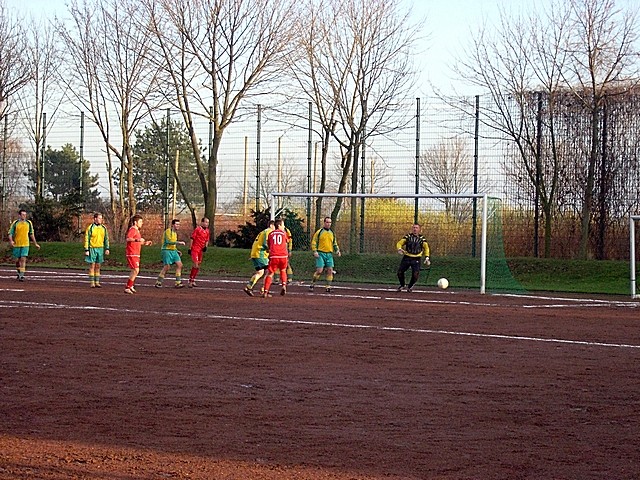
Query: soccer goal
pixel 464 233
pixel 632 253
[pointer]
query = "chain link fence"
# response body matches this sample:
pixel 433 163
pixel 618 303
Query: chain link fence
pixel 426 145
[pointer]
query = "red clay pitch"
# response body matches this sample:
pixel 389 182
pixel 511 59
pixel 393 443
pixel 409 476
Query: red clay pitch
pixel 362 383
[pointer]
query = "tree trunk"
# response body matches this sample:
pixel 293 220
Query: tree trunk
pixel 588 190
pixel 211 199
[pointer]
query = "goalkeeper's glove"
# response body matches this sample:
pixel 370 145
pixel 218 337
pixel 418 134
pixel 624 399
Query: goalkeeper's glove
pixel 204 249
pixel 189 252
pixel 427 262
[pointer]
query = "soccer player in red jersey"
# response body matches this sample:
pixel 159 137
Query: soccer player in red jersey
pixel 277 243
pixel 132 250
pixel 199 242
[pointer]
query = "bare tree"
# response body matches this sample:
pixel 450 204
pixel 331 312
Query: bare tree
pixel 285 178
pixel 520 63
pixel 217 54
pixel 602 55
pixel 42 92
pixel 15 68
pixel 448 169
pixel 379 175
pixel 355 66
pixel 110 75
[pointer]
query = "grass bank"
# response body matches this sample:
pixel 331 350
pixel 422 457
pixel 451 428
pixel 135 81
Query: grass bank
pixel 591 277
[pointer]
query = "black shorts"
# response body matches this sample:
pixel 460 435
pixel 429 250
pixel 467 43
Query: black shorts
pixel 409 262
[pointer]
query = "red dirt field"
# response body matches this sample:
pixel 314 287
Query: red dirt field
pixel 360 384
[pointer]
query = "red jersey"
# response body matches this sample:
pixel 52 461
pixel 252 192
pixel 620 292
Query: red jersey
pixel 277 242
pixel 133 248
pixel 200 237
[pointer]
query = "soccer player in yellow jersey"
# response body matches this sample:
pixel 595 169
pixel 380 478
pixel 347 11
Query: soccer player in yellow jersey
pixel 324 245
pixel 96 246
pixel 259 257
pixel 20 232
pixel 171 254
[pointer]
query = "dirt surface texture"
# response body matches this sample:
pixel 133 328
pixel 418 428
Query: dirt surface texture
pixel 358 384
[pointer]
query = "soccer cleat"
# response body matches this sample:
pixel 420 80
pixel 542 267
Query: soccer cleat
pixel 399 289
pixel 128 290
pixel 158 285
pixel 192 284
pixel 328 290
pixel 21 279
pixel 266 294
pixel 133 290
pixel 179 285
pixel 409 290
pixel 283 290
pixel 311 287
pixel 98 285
pixel 248 291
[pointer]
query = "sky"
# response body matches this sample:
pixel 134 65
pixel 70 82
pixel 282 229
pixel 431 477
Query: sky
pixel 446 30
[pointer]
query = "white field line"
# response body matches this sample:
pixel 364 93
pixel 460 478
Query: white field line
pixel 120 311
pixel 81 277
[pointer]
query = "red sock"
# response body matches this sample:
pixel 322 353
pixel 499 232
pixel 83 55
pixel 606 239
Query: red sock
pixel 267 283
pixel 129 283
pixel 193 274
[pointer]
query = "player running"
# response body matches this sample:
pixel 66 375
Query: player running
pixel 199 242
pixel 259 257
pixel 277 243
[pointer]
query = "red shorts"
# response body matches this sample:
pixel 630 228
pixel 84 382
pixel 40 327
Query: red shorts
pixel 278 264
pixel 197 255
pixel 133 261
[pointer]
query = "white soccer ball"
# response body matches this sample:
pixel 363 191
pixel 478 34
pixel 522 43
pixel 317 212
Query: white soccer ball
pixel 443 283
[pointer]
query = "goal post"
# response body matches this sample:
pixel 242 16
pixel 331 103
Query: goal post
pixel 632 253
pixel 371 224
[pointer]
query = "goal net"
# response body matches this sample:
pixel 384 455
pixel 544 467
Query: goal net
pixel 632 253
pixel 464 233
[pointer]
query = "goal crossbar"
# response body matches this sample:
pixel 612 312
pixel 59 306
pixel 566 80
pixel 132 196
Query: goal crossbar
pixel 479 196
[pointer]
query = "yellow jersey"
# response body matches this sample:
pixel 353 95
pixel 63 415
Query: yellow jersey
pixel 96 236
pixel 169 239
pixel 20 231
